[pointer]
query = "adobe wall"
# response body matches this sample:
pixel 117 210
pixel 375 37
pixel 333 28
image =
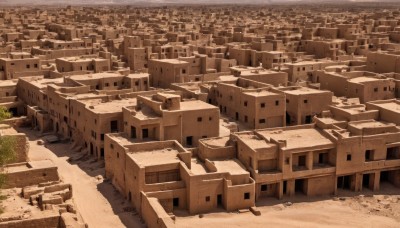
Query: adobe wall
pixel 154 214
pixel 33 176
pixel 205 151
pixel 234 196
pixel 321 185
pixel 50 220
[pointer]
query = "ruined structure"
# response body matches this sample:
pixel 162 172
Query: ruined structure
pixel 197 109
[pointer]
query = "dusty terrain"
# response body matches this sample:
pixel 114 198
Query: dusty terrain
pixel 102 206
pixel 349 211
pixel 97 201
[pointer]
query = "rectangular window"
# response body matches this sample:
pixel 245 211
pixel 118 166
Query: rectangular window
pixel 262 105
pixel 277 103
pixel 302 160
pixel 261 121
pixel 348 158
pixel 264 188
pixel 246 195
pixel 114 126
pixel 369 154
pixel 199 119
pixel 145 133
pixel 245 103
pixel 208 198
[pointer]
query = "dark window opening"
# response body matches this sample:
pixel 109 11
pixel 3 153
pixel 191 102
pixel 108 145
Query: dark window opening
pixel 189 140
pixel 302 160
pixel 133 132
pixel 368 155
pixel 343 182
pixel 288 119
pixel 285 187
pixel 246 195
pixel 219 199
pixel 114 126
pixel 308 119
pixel 323 158
pixel 366 180
pixel 145 133
pixel 299 186
pixel 264 188
pixel 393 153
pixel 176 202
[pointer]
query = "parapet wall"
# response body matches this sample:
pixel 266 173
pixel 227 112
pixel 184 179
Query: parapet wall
pixel 50 220
pixel 22 174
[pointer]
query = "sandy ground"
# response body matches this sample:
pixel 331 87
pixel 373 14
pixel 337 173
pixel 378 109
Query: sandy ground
pixel 348 210
pixel 97 201
pixel 102 206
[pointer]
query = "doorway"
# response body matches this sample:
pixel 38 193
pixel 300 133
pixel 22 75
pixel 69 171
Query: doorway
pixel 219 200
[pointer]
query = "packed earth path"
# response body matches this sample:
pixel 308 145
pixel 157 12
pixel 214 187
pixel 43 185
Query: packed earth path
pixel 98 202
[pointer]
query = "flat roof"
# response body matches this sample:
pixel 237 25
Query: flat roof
pixel 155 157
pixel 369 124
pixel 392 105
pixel 232 166
pixel 261 93
pixel 6 83
pixel 43 82
pixel 138 75
pixel 298 138
pixel 365 79
pixel 112 106
pixel 197 167
pixel 216 142
pixel 196 105
pixel 254 141
pixel 95 76
pixel 175 61
pixel 302 90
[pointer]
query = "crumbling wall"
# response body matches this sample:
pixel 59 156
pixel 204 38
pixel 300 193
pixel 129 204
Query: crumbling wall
pixel 31 177
pixel 154 214
pixel 50 220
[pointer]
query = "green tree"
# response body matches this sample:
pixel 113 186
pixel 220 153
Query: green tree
pixel 7 147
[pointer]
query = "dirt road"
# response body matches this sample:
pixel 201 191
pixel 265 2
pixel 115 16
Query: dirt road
pixel 97 201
